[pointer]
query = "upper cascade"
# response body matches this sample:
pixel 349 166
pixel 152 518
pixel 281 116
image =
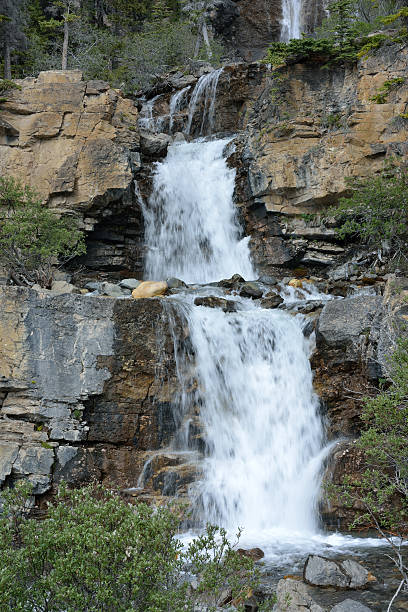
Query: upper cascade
pixel 191 227
pixel 204 92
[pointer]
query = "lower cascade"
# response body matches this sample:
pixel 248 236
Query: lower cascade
pixel 252 378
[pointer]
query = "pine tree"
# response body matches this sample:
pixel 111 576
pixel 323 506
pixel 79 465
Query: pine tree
pixel 11 31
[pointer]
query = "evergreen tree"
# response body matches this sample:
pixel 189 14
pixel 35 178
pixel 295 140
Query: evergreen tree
pixel 11 31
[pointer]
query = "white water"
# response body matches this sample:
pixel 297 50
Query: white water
pixel 190 222
pixel 291 19
pixel 247 371
pixel 176 104
pixel 147 120
pixel 204 92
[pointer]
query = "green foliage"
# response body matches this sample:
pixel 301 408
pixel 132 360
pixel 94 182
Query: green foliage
pixel 373 43
pixel 381 489
pixel 298 50
pixel 96 552
pixel 7 85
pixel 381 96
pixel 377 209
pixel 32 238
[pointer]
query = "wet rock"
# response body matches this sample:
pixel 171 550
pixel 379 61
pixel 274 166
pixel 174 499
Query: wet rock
pixel 149 289
pixel 349 605
pixel 213 301
pixel 251 289
pixel 175 283
pixel 348 574
pixel 296 282
pixel 60 287
pixel 309 327
pixel 256 554
pixel 268 280
pixel 272 300
pixel 111 290
pixel 179 137
pixel 310 307
pixel 154 145
pixel 231 283
pixel 129 283
pixel 293 596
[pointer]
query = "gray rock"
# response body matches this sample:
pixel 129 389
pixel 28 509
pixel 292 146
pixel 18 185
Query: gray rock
pixel 154 144
pixel 350 605
pixel 231 283
pixel 293 596
pixel 129 283
pixel 65 454
pixel 34 460
pixel 175 283
pixel 8 454
pixel 344 324
pixel 60 287
pixel 41 483
pixel 59 275
pixel 111 290
pixel 179 137
pixel 268 280
pixel 323 572
pixel 93 286
pixel 251 289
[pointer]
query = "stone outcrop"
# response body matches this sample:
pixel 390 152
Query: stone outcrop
pixel 79 393
pixel 77 144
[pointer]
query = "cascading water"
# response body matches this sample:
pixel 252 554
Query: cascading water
pixel 176 103
pixel 191 227
pixel 291 19
pixel 205 91
pixel 263 432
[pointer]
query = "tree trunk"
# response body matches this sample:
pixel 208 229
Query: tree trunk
pixel 7 61
pixel 99 13
pixel 65 45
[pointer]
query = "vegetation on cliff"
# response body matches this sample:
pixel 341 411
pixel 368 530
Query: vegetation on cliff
pixel 376 212
pixel 381 489
pixel 33 240
pixel 125 42
pixel 94 551
pixel 349 32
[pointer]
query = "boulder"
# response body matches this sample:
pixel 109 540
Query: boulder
pixel 111 290
pixel 175 283
pixel 212 301
pixel 293 596
pixel 60 287
pixel 345 324
pixel 149 289
pixel 256 554
pixel 272 300
pixel 268 280
pixel 93 286
pixel 154 145
pixel 231 283
pixel 348 574
pixel 350 605
pixel 296 282
pixel 129 283
pixel 251 289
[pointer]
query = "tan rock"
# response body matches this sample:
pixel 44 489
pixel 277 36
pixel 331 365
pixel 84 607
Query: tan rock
pixel 149 289
pixel 69 140
pixel 296 282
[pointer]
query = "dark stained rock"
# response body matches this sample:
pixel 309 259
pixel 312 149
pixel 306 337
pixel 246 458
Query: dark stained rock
pixel 213 301
pixel 251 289
pixel 272 300
pixel 256 554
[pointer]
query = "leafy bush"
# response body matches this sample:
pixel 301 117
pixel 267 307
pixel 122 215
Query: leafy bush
pixel 7 85
pixel 377 210
pixel 32 238
pixel 96 552
pixel 381 96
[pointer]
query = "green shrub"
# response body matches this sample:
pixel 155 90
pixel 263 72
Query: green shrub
pixel 377 210
pixel 381 489
pixel 32 238
pixel 96 552
pixel 381 96
pixel 7 85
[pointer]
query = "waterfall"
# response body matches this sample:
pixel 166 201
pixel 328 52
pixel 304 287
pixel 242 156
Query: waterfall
pixel 191 227
pixel 204 92
pixel 248 371
pixel 176 103
pixel 291 19
pixel 147 120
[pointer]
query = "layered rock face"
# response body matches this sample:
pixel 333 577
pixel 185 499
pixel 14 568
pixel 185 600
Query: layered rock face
pixel 86 387
pixel 76 143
